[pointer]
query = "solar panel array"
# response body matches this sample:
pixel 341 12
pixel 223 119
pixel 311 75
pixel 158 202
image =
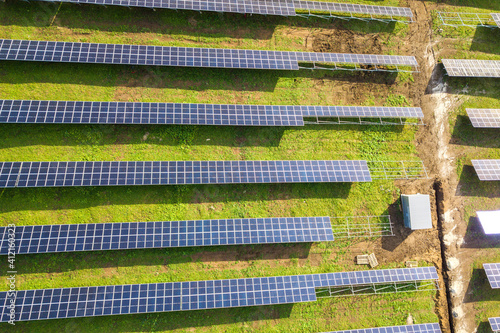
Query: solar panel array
pixel 178 296
pixel 57 174
pixel 490 221
pixel 140 235
pixel 25 50
pixel 70 112
pixel 472 68
pixel 487 169
pixel 264 7
pixel 496 18
pixel 418 328
pixel 73 112
pixel 484 118
pixel 493 274
pixel 353 8
pixel 495 324
pixel 273 7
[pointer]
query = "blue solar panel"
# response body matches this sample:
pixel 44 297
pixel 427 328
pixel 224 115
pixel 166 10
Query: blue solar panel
pixel 73 112
pixel 48 51
pixel 183 296
pixel 58 174
pixel 419 328
pixel 140 235
pixel 264 7
pixel 493 274
pixel 495 324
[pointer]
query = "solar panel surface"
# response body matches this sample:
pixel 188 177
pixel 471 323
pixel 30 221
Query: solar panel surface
pixel 74 112
pixel 496 18
pixel 58 174
pixel 419 328
pixel 472 68
pixel 493 274
pixel 484 118
pixel 178 296
pixel 25 50
pixel 140 235
pixel 490 221
pixel 495 324
pixel 274 7
pixel 353 8
pixel 487 169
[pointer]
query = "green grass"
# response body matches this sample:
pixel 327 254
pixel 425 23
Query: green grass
pixel 43 206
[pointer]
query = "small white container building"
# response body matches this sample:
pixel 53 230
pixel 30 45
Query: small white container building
pixel 416 211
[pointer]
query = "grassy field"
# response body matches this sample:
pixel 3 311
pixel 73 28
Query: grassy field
pixel 150 203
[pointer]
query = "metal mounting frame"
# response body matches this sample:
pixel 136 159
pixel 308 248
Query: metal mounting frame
pixel 376 289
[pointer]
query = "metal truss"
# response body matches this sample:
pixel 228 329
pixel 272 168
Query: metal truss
pixel 363 121
pixel 473 20
pixel 362 226
pixel 397 170
pixel 358 68
pixel 367 18
pixel 376 289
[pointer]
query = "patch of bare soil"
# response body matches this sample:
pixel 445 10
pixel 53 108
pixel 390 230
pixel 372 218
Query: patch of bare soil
pixel 346 41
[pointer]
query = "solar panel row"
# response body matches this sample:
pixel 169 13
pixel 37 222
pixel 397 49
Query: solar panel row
pixel 493 274
pixel 495 324
pixel 72 112
pixel 50 174
pixel 484 118
pixel 418 328
pixel 487 169
pixel 472 68
pixel 140 235
pixel 177 296
pixel 353 8
pixel 25 50
pixel 270 7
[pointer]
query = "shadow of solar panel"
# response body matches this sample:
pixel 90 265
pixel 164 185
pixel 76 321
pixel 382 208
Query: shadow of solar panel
pixel 353 8
pixel 196 295
pixel 484 118
pixel 495 324
pixel 24 50
pixel 141 235
pixel 472 68
pixel 419 328
pixel 493 274
pixel 60 174
pixel 274 7
pixel 72 112
pixel 487 169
